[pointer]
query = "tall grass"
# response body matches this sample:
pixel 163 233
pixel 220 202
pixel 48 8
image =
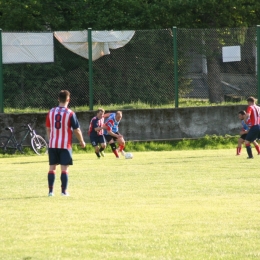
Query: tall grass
pixel 133 105
pixel 206 142
pixel 193 204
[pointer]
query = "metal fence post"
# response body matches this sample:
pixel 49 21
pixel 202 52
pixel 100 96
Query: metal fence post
pixel 90 75
pixel 175 54
pixel 258 62
pixel 1 76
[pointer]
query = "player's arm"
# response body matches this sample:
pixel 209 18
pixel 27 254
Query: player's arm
pixel 243 131
pixel 107 115
pixel 247 115
pixel 79 136
pixel 114 134
pixel 108 126
pixel 48 131
pixel 76 130
pixel 97 127
pixel 48 128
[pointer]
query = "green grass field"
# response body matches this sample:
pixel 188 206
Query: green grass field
pixel 202 204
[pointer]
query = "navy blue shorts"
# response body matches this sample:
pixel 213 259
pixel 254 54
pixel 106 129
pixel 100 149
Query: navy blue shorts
pixel 243 136
pixel 253 133
pixel 109 138
pixel 97 140
pixel 60 156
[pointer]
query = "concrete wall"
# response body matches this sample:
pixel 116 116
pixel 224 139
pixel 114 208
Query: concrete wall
pixel 151 124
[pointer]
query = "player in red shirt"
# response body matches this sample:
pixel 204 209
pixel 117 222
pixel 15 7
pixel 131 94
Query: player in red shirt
pixel 95 132
pixel 252 113
pixel 245 128
pixel 61 123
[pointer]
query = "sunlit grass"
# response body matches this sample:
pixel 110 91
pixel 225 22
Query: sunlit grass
pixel 192 102
pixel 206 142
pixel 201 204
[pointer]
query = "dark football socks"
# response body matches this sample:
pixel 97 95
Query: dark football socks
pixel 249 151
pixel 114 150
pixel 64 181
pixel 51 180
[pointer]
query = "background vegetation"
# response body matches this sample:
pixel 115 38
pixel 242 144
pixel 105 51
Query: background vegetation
pixel 29 84
pixel 207 142
pixel 66 15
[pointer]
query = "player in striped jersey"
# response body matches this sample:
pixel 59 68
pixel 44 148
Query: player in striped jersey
pixel 245 128
pixel 95 132
pixel 61 123
pixel 252 113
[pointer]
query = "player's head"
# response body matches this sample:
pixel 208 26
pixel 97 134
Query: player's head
pixel 100 112
pixel 64 96
pixel 251 100
pixel 118 116
pixel 241 114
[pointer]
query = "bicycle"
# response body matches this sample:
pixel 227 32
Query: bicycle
pixel 9 144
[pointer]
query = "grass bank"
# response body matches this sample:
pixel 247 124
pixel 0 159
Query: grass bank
pixel 206 142
pixel 188 102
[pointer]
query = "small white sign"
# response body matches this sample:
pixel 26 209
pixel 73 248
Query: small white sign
pixel 27 47
pixel 231 53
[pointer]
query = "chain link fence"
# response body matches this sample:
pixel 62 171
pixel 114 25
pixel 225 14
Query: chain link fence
pixel 142 71
pixel 218 64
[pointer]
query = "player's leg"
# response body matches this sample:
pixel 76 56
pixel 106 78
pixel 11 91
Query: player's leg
pixel 94 143
pixel 114 150
pixel 53 161
pixel 256 147
pixel 51 179
pixel 121 145
pixel 112 144
pixel 97 151
pixel 66 160
pixel 251 137
pixel 102 147
pixel 64 177
pixel 240 142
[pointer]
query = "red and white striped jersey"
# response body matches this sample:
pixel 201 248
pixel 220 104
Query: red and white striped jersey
pixel 61 121
pixel 254 112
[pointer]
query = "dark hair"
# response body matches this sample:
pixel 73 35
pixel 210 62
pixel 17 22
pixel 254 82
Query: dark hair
pixel 64 95
pixel 251 99
pixel 242 112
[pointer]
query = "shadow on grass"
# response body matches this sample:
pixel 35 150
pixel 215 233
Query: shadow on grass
pixel 22 198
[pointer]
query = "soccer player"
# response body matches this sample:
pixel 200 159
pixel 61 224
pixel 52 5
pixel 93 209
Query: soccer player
pixel 253 113
pixel 112 135
pixel 61 123
pixel 243 133
pixel 96 133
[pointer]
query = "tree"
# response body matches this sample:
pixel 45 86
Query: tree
pixel 59 15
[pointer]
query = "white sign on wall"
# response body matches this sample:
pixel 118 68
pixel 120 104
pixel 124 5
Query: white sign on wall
pixel 231 53
pixel 27 47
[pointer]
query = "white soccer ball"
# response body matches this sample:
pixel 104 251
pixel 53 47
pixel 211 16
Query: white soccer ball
pixel 129 156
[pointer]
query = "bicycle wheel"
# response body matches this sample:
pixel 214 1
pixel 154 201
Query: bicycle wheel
pixel 6 145
pixel 39 145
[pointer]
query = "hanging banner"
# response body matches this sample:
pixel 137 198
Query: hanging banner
pixel 102 41
pixel 27 47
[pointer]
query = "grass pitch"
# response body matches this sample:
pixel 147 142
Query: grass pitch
pixel 202 204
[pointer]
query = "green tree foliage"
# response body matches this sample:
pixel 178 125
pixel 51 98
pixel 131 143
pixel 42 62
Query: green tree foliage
pixel 33 15
pixel 64 15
